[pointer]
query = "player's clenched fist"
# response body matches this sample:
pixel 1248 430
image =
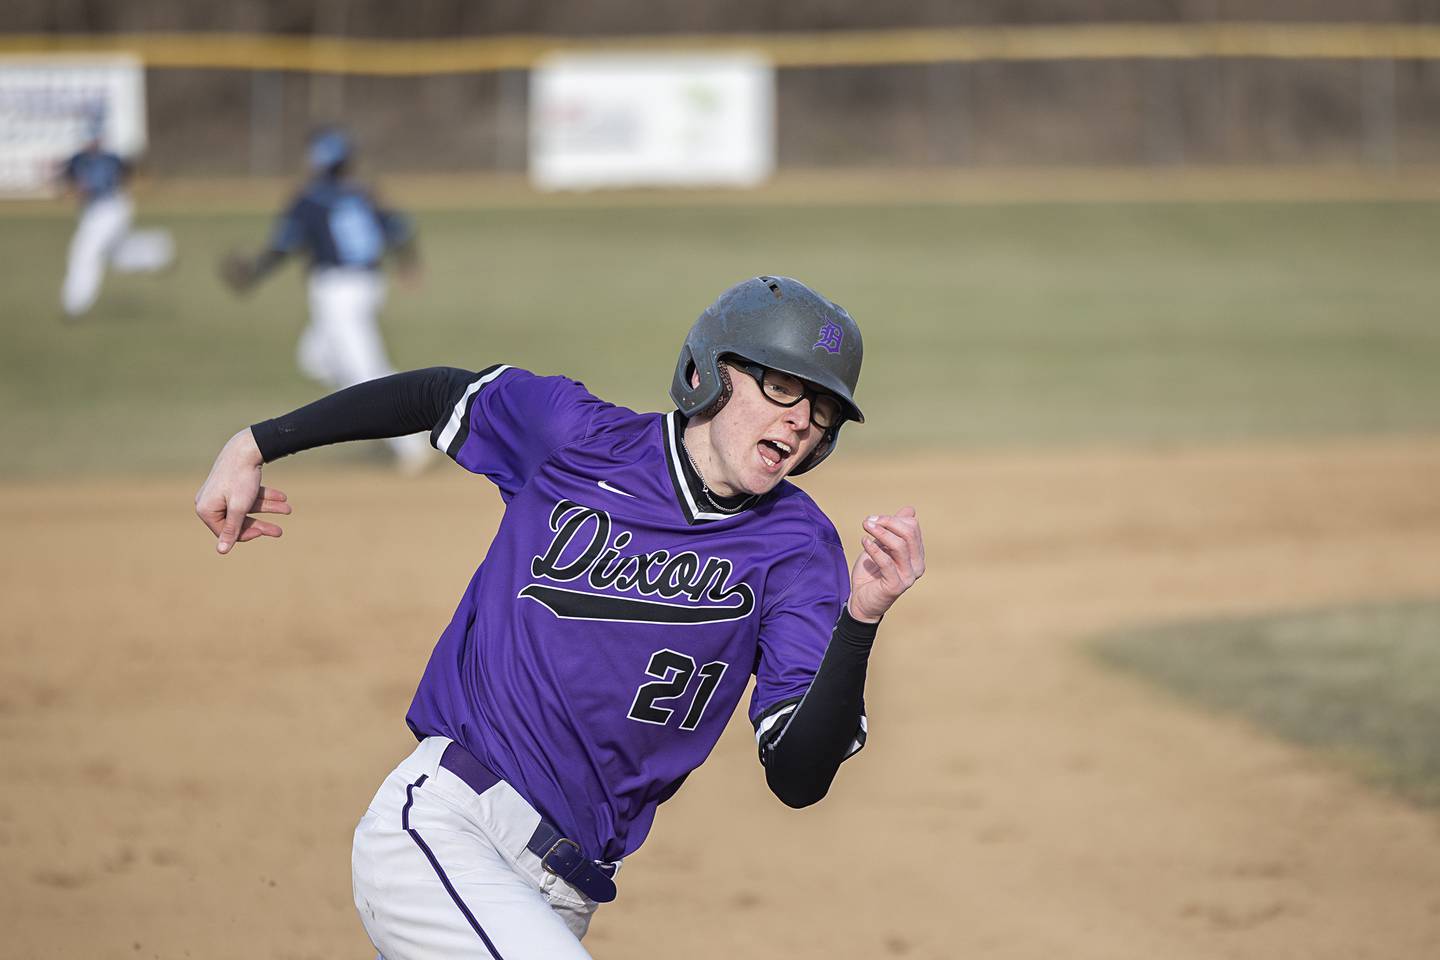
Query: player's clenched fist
pixel 233 490
pixel 893 560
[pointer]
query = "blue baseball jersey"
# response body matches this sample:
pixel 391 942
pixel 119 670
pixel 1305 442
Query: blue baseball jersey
pixel 95 173
pixel 339 225
pixel 613 626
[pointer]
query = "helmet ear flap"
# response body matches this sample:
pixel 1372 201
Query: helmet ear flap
pixel 726 388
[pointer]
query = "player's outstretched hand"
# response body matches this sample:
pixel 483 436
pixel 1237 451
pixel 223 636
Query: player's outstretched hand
pixel 233 490
pixel 893 560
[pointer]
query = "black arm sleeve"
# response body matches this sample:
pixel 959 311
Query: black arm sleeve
pixel 802 759
pixel 388 407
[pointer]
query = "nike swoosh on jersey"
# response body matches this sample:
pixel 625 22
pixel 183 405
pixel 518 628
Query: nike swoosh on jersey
pixel 606 486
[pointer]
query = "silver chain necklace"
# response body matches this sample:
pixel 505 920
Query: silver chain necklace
pixel 705 487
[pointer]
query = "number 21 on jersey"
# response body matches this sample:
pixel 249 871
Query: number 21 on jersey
pixel 675 671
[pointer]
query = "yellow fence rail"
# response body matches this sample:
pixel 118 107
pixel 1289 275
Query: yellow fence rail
pixel 199 51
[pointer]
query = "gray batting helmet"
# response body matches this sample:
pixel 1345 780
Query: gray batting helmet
pixel 779 323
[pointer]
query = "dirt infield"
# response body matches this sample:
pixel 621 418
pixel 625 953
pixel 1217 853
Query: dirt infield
pixel 189 740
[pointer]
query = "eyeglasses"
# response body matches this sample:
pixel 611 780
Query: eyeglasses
pixel 785 390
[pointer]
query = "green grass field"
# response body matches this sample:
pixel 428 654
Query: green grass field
pixel 986 326
pixel 1357 684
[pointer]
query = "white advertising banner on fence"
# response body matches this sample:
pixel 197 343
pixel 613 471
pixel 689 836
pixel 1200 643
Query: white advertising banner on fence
pixel 641 120
pixel 50 104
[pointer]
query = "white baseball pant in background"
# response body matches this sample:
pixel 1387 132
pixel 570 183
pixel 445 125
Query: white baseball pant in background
pixel 341 345
pixel 103 236
pixel 441 871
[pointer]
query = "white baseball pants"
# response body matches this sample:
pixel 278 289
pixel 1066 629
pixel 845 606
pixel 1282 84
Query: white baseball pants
pixel 103 235
pixel 443 872
pixel 341 346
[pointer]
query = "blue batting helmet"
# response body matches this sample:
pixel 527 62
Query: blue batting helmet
pixel 329 148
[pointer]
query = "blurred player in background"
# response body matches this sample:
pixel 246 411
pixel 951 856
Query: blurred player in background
pixel 346 234
pixel 103 234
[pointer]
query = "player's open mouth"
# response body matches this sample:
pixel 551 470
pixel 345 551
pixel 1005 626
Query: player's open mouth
pixel 774 452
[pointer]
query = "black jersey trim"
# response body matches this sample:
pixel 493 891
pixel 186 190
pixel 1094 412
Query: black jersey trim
pixel 770 724
pixel 450 434
pixel 690 491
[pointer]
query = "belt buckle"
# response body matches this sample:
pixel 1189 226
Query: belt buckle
pixel 545 860
pixel 584 875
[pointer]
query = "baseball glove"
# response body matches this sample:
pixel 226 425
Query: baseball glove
pixel 238 272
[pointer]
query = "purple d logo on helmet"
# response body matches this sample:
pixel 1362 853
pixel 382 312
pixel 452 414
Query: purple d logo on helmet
pixel 830 337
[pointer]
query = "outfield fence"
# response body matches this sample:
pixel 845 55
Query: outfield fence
pixel 1038 96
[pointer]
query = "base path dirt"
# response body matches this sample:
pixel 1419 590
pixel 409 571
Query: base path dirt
pixel 189 740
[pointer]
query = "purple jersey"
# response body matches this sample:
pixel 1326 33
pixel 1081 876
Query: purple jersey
pixel 605 640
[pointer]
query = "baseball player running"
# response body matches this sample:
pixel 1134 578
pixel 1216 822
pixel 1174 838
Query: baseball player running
pixel 645 567
pixel 102 234
pixel 346 235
